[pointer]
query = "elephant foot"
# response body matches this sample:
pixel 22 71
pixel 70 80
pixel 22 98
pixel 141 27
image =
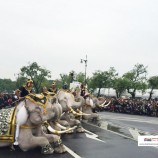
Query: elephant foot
pixel 47 149
pixel 69 132
pixel 60 149
pixel 94 119
pixel 58 146
pixel 80 130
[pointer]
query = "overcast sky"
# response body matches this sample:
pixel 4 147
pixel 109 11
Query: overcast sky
pixel 58 33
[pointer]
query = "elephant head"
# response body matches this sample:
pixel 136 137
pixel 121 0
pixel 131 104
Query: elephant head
pixel 69 102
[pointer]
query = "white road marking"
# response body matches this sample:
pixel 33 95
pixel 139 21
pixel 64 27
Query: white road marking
pixel 91 133
pixel 93 137
pixel 104 125
pixel 72 152
pixel 134 133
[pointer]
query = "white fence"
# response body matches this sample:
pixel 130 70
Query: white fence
pixel 111 92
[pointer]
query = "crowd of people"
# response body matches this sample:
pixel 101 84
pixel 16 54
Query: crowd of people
pixel 7 100
pixel 134 106
pixel 119 105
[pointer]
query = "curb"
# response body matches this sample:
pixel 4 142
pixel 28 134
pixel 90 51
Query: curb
pixel 124 131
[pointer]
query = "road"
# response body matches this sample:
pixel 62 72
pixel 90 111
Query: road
pixel 144 124
pixel 96 142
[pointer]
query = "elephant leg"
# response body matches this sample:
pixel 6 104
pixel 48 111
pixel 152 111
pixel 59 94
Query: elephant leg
pixel 56 143
pixel 76 122
pixel 28 141
pixel 73 122
pixel 53 139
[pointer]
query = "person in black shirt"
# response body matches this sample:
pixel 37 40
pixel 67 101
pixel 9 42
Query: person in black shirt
pixel 83 90
pixel 65 86
pixel 24 90
pixel 53 88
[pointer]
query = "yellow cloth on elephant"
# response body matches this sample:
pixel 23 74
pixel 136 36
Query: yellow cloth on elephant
pixel 7 125
pixel 38 99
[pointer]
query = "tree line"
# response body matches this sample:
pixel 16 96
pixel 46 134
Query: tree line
pixel 131 81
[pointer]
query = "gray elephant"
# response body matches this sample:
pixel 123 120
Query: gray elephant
pixel 100 103
pixel 68 102
pixel 58 126
pixel 24 123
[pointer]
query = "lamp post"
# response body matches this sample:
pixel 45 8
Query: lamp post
pixel 85 61
pixel 72 76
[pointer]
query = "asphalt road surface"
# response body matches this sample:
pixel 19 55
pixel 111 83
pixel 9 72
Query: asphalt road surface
pixel 144 123
pixel 96 142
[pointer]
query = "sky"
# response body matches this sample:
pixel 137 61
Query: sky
pixel 57 34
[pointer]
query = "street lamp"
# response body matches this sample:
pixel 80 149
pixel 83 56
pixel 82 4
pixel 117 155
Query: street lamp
pixel 85 61
pixel 72 76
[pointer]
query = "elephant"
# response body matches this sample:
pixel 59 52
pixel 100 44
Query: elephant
pixel 88 108
pixel 85 104
pixel 68 102
pixel 26 121
pixel 59 126
pixel 100 103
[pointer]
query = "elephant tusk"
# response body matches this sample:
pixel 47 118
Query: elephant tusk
pixel 74 112
pixel 80 112
pixel 102 105
pixel 107 103
pixel 60 132
pixel 54 131
pixel 60 126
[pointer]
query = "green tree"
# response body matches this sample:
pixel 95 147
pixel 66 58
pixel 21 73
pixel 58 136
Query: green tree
pixel 153 84
pixel 113 75
pixel 38 74
pixel 102 79
pixel 7 85
pixel 136 79
pixel 120 85
pixel 99 80
pixel 65 78
pixel 80 77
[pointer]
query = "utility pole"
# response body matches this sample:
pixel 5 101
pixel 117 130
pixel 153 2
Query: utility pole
pixel 85 61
